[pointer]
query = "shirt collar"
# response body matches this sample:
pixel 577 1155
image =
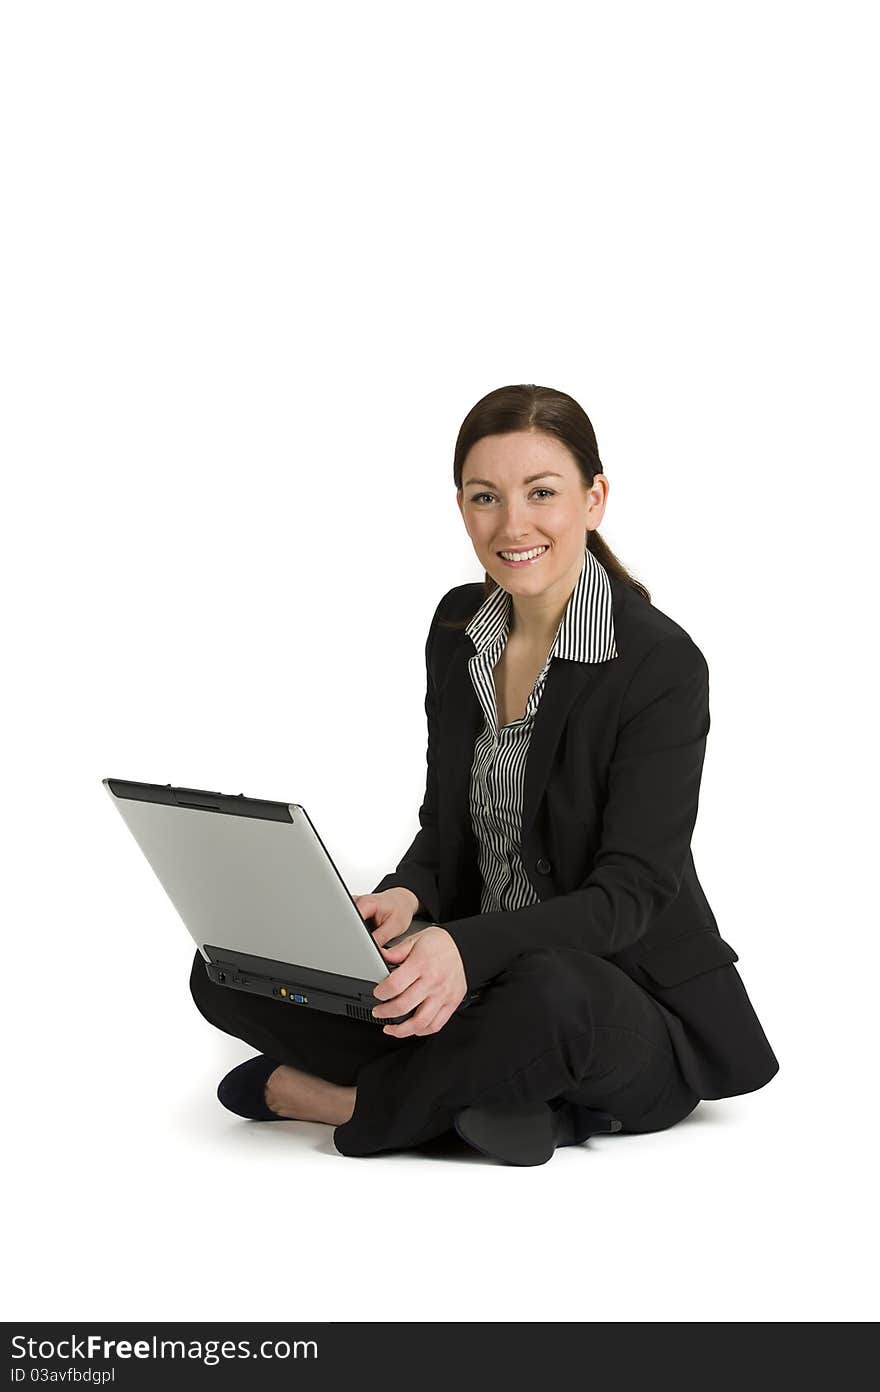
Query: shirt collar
pixel 586 629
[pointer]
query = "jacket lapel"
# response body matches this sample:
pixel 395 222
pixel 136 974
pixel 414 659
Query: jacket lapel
pixel 566 681
pixel 461 718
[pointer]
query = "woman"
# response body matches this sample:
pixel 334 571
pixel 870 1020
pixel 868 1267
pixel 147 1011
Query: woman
pixel 567 722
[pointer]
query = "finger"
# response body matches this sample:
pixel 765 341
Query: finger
pixel 400 1004
pixel 385 931
pixel 416 1023
pixel 398 980
pixel 400 951
pixel 439 1020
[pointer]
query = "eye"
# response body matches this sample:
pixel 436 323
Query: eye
pixel 475 497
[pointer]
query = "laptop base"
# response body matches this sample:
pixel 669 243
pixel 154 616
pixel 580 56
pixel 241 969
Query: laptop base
pixel 307 989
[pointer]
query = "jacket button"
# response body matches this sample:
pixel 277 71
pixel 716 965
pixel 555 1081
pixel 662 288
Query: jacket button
pixel 543 866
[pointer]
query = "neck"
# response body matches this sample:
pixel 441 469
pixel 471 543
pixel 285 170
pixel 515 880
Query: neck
pixel 535 619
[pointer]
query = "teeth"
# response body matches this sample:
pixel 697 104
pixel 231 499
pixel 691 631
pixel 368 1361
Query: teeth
pixel 522 555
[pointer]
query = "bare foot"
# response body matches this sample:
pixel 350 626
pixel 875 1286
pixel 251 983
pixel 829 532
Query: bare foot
pixel 303 1097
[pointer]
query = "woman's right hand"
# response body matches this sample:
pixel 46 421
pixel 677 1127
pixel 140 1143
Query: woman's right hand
pixel 392 912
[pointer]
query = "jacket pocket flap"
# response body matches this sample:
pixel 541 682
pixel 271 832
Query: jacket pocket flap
pixel 671 962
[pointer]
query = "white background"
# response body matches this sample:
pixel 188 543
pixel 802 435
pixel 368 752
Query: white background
pixel 259 261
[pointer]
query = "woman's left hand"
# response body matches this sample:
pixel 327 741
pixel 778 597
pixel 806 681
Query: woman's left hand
pixel 428 974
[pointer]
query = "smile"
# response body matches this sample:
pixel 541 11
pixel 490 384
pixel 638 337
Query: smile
pixel 526 558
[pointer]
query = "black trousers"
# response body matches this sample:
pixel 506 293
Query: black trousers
pixel 556 1024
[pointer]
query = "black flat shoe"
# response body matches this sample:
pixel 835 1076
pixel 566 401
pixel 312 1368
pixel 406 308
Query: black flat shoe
pixel 519 1133
pixel 243 1090
pixel 527 1133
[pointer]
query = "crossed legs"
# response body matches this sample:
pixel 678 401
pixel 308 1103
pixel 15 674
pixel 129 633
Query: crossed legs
pixel 555 1024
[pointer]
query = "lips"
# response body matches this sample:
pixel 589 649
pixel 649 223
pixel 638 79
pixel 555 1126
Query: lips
pixel 532 560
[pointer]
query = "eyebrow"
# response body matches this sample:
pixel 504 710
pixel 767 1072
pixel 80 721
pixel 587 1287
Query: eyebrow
pixel 550 473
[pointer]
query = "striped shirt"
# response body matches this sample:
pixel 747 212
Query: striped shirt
pixel 585 634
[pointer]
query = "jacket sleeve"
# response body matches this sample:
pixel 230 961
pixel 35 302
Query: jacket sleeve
pixel 418 870
pixel 649 816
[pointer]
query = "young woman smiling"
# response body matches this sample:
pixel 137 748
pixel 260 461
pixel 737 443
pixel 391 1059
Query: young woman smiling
pixel 567 723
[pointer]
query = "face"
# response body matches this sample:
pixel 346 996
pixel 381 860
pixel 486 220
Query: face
pixel 522 491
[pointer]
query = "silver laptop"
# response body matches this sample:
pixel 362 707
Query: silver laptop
pixel 259 893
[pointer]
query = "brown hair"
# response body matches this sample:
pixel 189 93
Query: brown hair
pixel 529 407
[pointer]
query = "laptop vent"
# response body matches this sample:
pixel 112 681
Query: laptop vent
pixel 360 1012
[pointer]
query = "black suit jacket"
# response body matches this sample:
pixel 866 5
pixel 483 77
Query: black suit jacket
pixel 610 800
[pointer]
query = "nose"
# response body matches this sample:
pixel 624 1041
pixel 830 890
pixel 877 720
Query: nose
pixel 513 529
